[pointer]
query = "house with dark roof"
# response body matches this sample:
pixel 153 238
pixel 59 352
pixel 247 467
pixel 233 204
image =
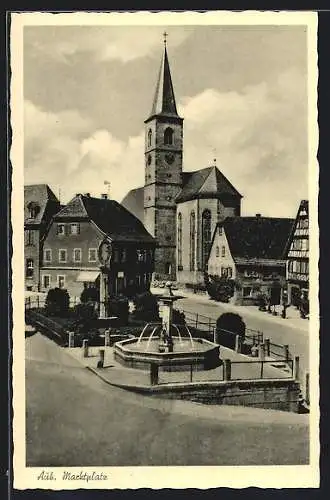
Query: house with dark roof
pixel 297 254
pixel 251 251
pixel 71 251
pixel 180 209
pixel 40 204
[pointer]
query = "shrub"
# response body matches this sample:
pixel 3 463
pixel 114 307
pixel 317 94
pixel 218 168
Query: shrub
pixel 219 288
pixel 228 326
pixel 146 307
pixel 118 306
pixel 90 294
pixel 57 302
pixel 178 317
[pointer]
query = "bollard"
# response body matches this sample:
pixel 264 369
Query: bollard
pixel 296 368
pixel 85 348
pixel 100 363
pixel 307 397
pixel 153 374
pixel 238 343
pixel 286 352
pixel 267 347
pixel 71 339
pixel 226 369
pixel 107 338
pixel 262 352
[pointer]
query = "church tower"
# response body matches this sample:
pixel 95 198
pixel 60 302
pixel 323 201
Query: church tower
pixel 163 171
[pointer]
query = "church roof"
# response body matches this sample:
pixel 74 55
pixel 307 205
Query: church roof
pixel 164 99
pixel 208 182
pixel 42 199
pixel 134 201
pixel 257 237
pixel 109 216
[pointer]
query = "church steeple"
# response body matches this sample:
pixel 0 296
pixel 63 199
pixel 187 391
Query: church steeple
pixel 164 99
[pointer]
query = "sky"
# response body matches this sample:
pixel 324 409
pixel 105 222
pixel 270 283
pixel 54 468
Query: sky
pixel 242 91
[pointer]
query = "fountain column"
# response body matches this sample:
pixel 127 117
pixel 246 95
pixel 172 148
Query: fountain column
pixel 166 301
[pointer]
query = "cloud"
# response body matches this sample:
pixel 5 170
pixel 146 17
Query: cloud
pixel 260 139
pixel 69 153
pixel 125 44
pixel 259 135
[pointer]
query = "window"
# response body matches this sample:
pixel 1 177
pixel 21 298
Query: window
pixel 33 209
pixel 180 239
pixel 92 255
pixel 61 281
pixel 29 237
pixel 168 136
pixel 29 268
pixel 220 230
pixel 47 255
pixel 192 240
pixel 77 255
pixel 62 255
pixel 123 255
pixel 141 255
pixel 168 268
pixel 206 236
pixel 61 229
pixel 247 291
pixel 149 137
pixel 46 279
pixel 223 251
pixel 230 272
pixel 217 251
pixel 224 272
pixel 74 228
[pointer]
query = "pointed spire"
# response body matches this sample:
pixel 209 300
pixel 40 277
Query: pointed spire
pixel 164 100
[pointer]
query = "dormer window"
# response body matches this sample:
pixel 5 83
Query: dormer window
pixel 61 229
pixel 168 136
pixel 33 209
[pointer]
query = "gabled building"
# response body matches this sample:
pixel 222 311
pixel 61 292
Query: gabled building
pixel 251 251
pixel 40 204
pixel 71 256
pixel 297 254
pixel 180 209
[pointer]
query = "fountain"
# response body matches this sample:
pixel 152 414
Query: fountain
pixel 168 345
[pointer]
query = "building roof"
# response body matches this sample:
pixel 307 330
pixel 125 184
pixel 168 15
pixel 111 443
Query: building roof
pixel 303 211
pixel 207 182
pixel 42 198
pixel 257 237
pixel 109 216
pixel 164 98
pixel 134 201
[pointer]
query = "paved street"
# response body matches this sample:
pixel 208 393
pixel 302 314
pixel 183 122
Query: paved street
pixel 73 418
pixel 277 329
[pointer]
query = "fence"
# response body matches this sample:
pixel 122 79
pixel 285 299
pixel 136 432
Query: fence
pixel 228 370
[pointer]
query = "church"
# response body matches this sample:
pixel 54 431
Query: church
pixel 180 209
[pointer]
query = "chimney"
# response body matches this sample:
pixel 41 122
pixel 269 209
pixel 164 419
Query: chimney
pixel 104 196
pixel 258 215
pixel 87 194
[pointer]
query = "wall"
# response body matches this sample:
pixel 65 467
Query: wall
pixel 32 252
pixel 216 262
pixel 276 394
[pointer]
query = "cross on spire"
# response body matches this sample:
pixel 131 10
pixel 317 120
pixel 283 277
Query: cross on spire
pixel 215 156
pixel 165 35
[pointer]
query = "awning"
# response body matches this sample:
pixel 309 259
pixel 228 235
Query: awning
pixel 88 276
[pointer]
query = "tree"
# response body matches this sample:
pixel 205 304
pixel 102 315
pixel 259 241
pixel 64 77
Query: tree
pixel 90 294
pixel 146 307
pixel 57 302
pixel 228 326
pixel 219 288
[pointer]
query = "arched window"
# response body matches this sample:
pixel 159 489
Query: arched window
pixel 180 241
pixel 217 252
pixel 149 137
pixel 206 236
pixel 168 136
pixel 192 240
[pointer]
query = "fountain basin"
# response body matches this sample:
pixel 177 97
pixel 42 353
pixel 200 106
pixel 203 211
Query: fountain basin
pixel 137 353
